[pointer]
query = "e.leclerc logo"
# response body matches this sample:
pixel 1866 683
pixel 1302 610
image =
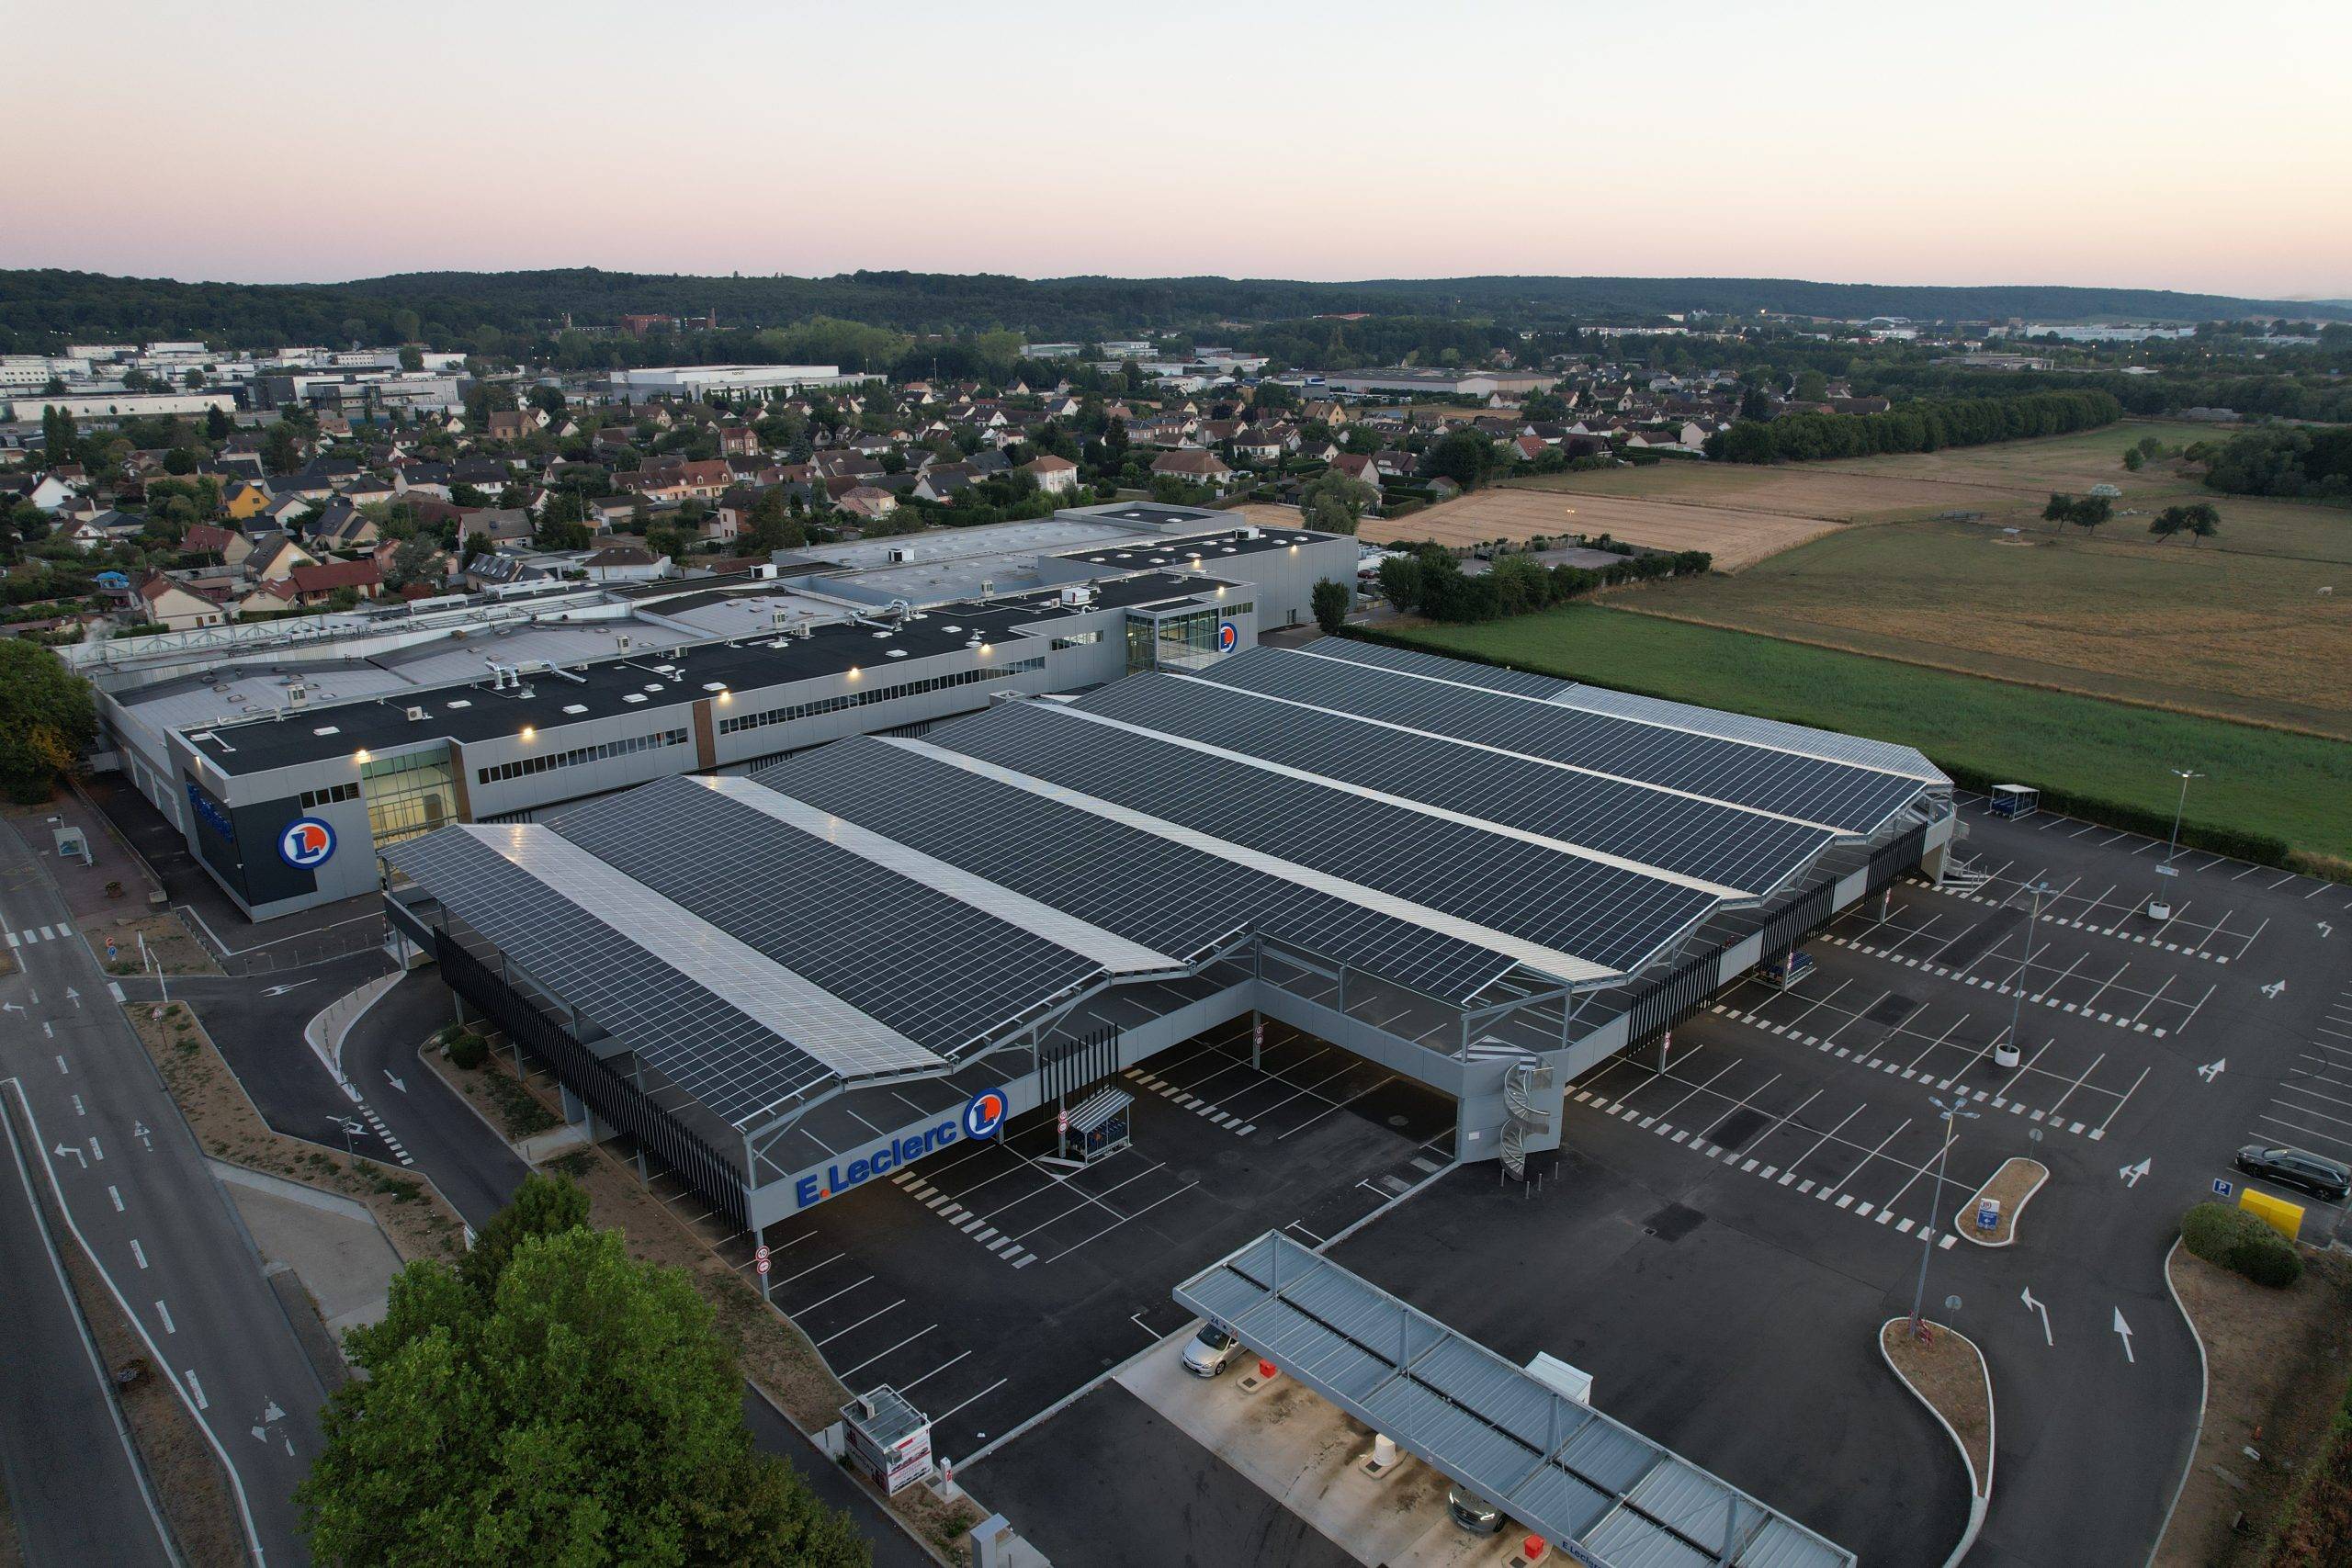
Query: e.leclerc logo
pixel 982 1117
pixel 1227 634
pixel 307 844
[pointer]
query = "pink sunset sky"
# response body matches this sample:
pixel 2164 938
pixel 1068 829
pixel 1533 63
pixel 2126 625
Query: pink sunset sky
pixel 2162 145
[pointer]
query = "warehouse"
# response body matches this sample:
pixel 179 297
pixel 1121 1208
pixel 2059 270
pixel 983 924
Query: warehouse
pixel 788 982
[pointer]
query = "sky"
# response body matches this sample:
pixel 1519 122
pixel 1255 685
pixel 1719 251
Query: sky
pixel 2164 145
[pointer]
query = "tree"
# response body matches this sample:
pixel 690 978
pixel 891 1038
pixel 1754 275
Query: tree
pixel 1811 386
pixel 542 1206
pixel 2199 520
pixel 1400 581
pixel 1464 457
pixel 1335 503
pixel 773 526
pixel 411 357
pixel 1521 585
pixel 1332 600
pixel 563 536
pixel 57 435
pixel 477 544
pixel 565 1404
pixel 46 719
pixel 1755 404
pixel 2091 512
pixel 413 561
pixel 2133 457
pixel 281 450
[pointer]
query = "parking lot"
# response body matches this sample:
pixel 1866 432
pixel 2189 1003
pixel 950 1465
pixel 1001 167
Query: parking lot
pixel 985 1284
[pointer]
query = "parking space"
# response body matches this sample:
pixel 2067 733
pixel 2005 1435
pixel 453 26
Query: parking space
pixel 985 1282
pixel 2309 1107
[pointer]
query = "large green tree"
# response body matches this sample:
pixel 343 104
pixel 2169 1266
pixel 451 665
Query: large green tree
pixel 46 719
pixel 559 1403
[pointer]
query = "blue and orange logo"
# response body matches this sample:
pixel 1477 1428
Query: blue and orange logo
pixel 984 1114
pixel 307 844
pixel 1228 634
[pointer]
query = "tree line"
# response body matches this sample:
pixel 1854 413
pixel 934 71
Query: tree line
pixel 2290 460
pixel 1430 581
pixel 1926 425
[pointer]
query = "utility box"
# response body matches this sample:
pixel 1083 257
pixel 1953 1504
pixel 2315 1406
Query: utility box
pixel 1570 1383
pixel 889 1439
pixel 72 843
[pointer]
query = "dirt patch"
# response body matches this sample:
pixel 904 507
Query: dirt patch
pixel 188 1481
pixel 225 1122
pixel 2275 1365
pixel 1734 537
pixel 1947 1370
pixel 168 942
pixel 492 1090
pixel 2016 1181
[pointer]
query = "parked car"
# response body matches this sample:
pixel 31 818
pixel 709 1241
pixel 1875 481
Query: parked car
pixel 1473 1512
pixel 1211 1352
pixel 2326 1178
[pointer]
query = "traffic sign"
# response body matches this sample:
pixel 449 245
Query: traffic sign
pixel 764 1266
pixel 760 1258
pixel 2223 1187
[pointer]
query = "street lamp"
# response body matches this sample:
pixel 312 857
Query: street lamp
pixel 2159 902
pixel 2040 888
pixel 1947 1114
pixel 350 1130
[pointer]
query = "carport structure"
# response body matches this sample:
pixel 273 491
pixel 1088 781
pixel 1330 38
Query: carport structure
pixel 787 983
pixel 1586 1483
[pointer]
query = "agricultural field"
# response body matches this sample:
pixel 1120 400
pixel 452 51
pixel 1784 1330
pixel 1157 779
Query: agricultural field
pixel 2257 781
pixel 1736 537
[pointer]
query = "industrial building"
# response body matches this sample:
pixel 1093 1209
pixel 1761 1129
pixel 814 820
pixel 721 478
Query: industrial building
pixel 287 755
pixel 788 983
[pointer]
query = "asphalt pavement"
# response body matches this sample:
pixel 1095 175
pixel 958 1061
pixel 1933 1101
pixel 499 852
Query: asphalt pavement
pixel 134 1184
pixel 54 1400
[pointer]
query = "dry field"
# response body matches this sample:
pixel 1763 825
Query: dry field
pixel 1736 536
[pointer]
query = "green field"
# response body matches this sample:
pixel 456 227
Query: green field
pixel 2294 788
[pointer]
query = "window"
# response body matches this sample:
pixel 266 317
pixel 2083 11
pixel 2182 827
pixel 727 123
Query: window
pixel 413 793
pixel 316 797
pixel 877 693
pixel 522 767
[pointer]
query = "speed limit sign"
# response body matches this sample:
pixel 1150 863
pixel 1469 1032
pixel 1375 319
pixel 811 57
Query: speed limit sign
pixel 760 1257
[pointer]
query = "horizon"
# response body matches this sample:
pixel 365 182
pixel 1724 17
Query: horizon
pixel 1231 142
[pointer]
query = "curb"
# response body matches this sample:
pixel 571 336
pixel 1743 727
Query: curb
pixel 2204 1393
pixel 2017 1215
pixel 330 1051
pixel 1980 1496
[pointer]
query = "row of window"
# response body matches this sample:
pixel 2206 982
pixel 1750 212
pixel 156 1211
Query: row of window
pixel 610 748
pixel 328 797
pixel 876 694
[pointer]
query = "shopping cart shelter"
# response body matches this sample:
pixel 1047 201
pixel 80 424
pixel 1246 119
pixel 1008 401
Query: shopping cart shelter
pixel 789 983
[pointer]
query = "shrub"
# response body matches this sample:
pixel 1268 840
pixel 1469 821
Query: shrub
pixel 468 1050
pixel 2236 1240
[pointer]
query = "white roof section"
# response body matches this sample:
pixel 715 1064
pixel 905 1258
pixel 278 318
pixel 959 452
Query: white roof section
pixel 1567 966
pixel 844 1040
pixel 1115 954
pixel 1796 739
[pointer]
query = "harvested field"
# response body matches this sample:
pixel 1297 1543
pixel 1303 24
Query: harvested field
pixel 1733 535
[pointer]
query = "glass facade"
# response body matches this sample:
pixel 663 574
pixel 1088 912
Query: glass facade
pixel 1184 639
pixel 408 795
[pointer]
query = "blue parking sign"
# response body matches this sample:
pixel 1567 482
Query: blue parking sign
pixel 2222 1187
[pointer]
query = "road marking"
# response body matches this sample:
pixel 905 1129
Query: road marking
pixel 118 1199
pixel 137 1251
pixel 194 1387
pixel 2124 1329
pixel 166 1313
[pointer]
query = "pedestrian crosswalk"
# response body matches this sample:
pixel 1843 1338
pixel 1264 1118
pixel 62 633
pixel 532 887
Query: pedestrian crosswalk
pixel 32 934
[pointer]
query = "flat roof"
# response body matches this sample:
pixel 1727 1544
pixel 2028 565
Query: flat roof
pixel 1585 1481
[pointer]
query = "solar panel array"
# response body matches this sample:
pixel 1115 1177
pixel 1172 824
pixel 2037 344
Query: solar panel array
pixel 1175 899
pixel 726 1059
pixel 1569 1471
pixel 1836 794
pixel 1655 827
pixel 1598 912
pixel 1520 682
pixel 933 967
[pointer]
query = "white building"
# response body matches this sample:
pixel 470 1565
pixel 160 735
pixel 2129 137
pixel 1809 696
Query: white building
pixel 761 381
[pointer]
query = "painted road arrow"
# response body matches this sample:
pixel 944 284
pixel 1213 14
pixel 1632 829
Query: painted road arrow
pixel 2276 989
pixel 395 1082
pixel 2213 1069
pixel 2131 1173
pixel 2026 1296
pixel 2124 1329
pixel 74 996
pixel 64 1149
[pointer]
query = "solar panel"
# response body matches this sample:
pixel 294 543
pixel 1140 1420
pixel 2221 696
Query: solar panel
pixel 1606 916
pixel 1695 838
pixel 729 1061
pixel 1494 678
pixel 935 968
pixel 1167 897
pixel 1797 740
pixel 1836 795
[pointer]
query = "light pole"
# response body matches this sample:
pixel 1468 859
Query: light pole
pixel 2159 902
pixel 2038 887
pixel 350 1130
pixel 1947 1114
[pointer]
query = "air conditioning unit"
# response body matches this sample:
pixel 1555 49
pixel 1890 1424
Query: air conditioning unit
pixel 1077 594
pixel 416 715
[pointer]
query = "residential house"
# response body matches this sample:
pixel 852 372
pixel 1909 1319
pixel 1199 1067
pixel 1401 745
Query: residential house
pixel 229 544
pixel 1193 466
pixel 317 584
pixel 165 602
pixel 276 558
pixel 1055 476
pixel 865 502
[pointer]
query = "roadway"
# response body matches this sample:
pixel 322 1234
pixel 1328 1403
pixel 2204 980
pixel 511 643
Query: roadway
pixel 134 1186
pixel 54 1400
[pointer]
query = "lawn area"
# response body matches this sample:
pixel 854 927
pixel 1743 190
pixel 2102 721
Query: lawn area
pixel 2292 787
pixel 2234 628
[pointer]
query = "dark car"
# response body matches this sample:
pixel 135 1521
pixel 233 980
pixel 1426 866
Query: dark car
pixel 1473 1513
pixel 2292 1168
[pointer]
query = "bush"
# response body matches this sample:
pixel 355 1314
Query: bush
pixel 2236 1240
pixel 468 1050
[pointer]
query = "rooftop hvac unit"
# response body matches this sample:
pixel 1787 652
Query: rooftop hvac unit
pixel 298 694
pixel 1077 594
pixel 416 715
pixel 623 638
pixel 1250 531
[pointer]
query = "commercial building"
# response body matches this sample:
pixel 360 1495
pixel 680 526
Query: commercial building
pixel 787 983
pixel 757 380
pixel 287 756
pixel 1407 382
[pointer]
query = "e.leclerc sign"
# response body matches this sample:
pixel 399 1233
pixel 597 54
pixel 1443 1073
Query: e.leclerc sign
pixel 982 1117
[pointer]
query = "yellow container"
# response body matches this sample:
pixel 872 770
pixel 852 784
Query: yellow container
pixel 2285 1218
